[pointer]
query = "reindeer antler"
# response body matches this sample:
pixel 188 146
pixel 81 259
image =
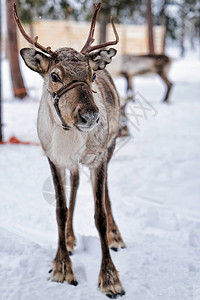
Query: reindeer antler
pixel 28 38
pixel 87 47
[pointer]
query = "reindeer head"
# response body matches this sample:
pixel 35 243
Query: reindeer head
pixel 68 76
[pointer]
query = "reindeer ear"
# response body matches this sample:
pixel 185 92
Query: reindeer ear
pixel 35 60
pixel 99 60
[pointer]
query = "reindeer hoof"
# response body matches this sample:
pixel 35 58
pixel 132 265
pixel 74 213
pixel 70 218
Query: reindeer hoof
pixel 62 271
pixel 114 292
pixel 114 249
pixel 74 282
pixel 71 243
pixel 115 240
pixel 109 283
pixel 111 295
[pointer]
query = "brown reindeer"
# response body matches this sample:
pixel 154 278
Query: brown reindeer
pixel 78 122
pixel 133 65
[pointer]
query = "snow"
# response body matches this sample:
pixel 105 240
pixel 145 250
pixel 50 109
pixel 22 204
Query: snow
pixel 155 191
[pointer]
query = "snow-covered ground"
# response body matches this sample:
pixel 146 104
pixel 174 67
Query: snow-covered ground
pixel 154 180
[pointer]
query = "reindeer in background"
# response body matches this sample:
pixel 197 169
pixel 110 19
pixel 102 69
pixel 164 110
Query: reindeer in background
pixel 78 122
pixel 133 65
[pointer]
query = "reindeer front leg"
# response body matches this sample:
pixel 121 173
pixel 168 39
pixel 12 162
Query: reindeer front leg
pixel 62 266
pixel 69 233
pixel 129 86
pixel 109 282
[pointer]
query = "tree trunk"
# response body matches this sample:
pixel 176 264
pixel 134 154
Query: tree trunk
pixel 1 135
pixel 199 39
pixel 150 27
pixel 164 22
pixel 182 28
pixel 103 20
pixel 192 36
pixel 19 89
pixel 182 38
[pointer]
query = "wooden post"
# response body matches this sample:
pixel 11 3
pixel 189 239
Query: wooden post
pixel 19 89
pixel 150 27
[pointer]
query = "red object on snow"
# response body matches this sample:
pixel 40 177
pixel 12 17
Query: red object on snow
pixel 14 140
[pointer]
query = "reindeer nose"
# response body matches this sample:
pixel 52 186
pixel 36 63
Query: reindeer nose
pixel 89 117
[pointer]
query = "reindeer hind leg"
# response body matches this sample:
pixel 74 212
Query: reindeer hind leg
pixel 169 86
pixel 115 240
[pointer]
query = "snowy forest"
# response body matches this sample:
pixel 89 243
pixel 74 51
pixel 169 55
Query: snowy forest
pixel 153 174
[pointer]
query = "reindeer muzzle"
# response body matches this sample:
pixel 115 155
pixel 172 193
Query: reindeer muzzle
pixel 56 96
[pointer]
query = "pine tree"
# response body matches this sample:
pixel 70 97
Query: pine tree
pixel 180 18
pixel 30 10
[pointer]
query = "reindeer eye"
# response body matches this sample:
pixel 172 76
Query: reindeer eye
pixel 55 77
pixel 94 77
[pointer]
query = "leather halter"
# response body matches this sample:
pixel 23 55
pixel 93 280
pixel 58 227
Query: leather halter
pixel 56 96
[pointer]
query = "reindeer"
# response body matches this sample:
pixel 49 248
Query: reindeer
pixel 133 65
pixel 78 123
